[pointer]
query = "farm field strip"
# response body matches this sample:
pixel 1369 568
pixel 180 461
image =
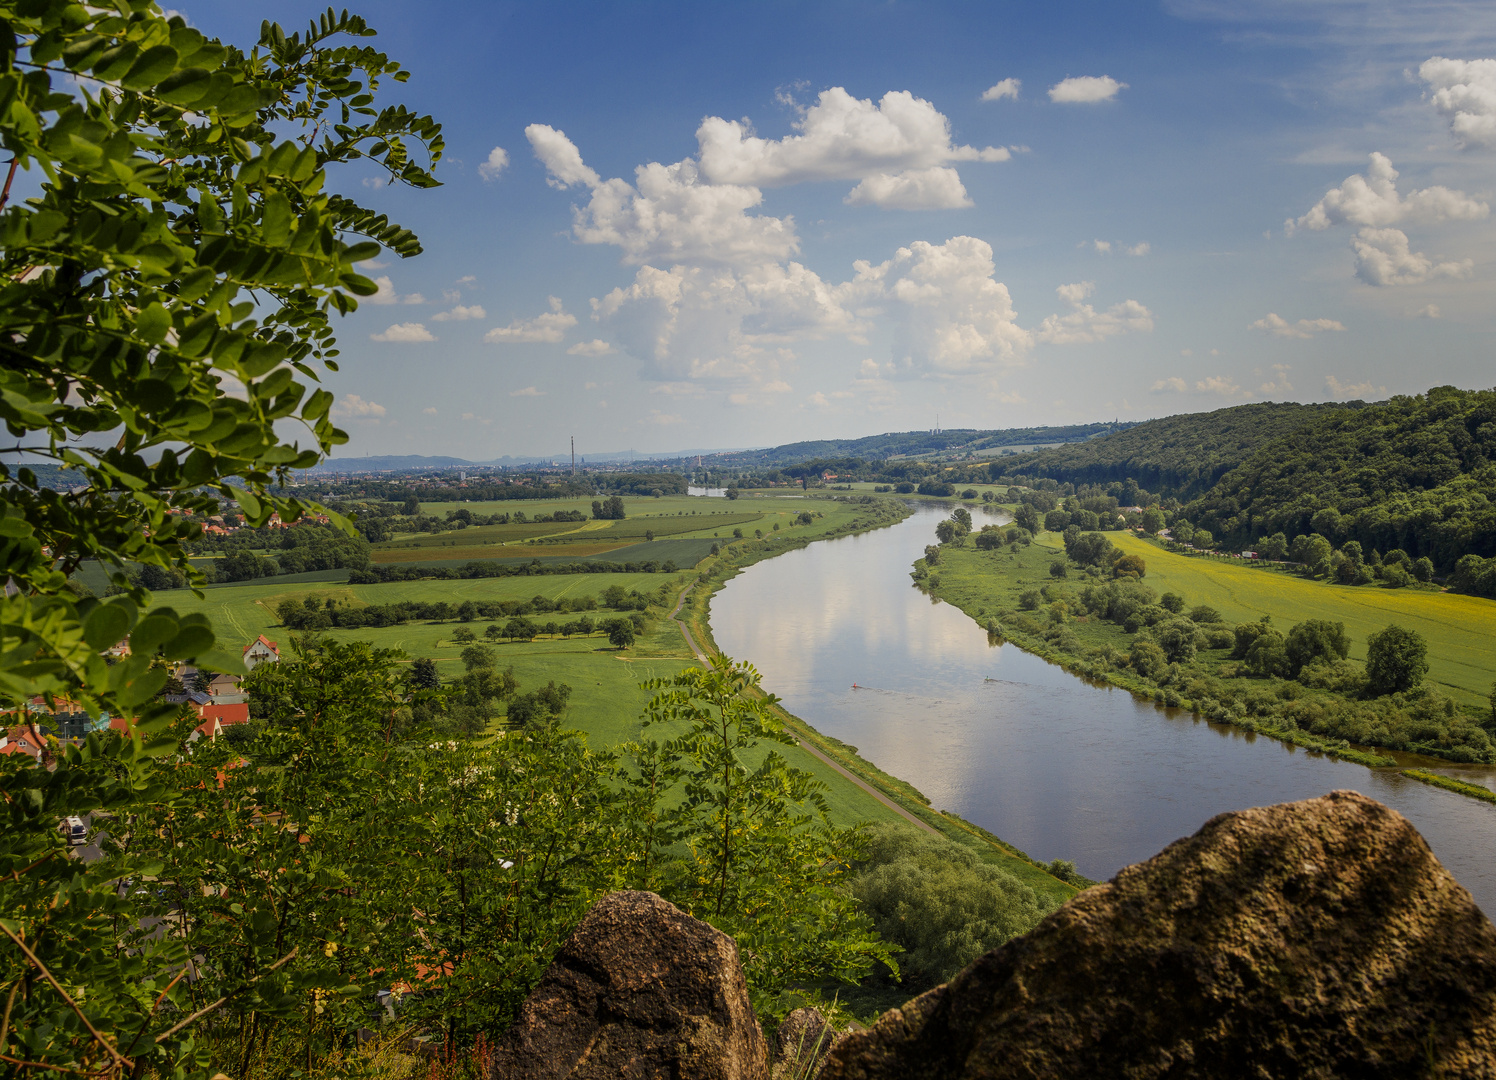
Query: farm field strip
pixel 1460 630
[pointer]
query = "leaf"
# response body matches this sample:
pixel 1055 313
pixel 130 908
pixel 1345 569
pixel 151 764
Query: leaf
pixel 154 65
pixel 106 624
pixel 186 87
pixel 190 641
pixel 276 223
pixel 153 322
pixel 151 633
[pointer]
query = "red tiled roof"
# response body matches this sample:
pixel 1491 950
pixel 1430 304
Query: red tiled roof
pixel 273 646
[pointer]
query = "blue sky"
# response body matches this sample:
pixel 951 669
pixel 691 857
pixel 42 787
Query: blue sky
pixel 666 226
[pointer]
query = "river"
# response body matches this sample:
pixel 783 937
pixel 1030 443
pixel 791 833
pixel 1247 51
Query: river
pixel 1043 759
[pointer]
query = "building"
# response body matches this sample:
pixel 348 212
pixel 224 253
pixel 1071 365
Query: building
pixel 261 651
pixel 218 717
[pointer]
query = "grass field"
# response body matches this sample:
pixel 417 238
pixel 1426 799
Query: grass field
pixel 606 700
pixel 1460 630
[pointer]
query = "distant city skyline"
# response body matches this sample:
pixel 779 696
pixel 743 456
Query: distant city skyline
pixel 686 225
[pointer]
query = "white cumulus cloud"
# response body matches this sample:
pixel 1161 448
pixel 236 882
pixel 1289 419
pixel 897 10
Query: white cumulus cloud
pixel 353 407
pixel 560 157
pixel 951 315
pixel 668 214
pixel 595 347
pixel 1279 383
pixel 549 326
pixel 1172 385
pixel 1384 257
pixel 460 313
pixel 386 293
pixel 840 137
pixel 528 391
pixel 1465 92
pixel 937 188
pixel 1275 324
pixel 1140 249
pixel 1429 311
pixel 408 333
pixel 1085 89
pixel 1007 88
pixel 1083 324
pixel 1103 247
pixel 1220 385
pixel 496 163
pixel 1373 200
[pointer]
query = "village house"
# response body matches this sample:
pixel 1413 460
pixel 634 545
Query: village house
pixel 260 651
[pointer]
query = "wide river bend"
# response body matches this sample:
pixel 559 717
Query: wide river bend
pixel 1059 767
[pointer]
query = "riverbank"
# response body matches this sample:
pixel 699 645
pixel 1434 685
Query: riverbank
pixel 1031 596
pixel 694 615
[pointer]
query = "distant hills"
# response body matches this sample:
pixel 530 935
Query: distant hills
pixel 1181 455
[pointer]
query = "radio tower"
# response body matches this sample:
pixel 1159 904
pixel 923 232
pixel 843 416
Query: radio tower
pixel 573 455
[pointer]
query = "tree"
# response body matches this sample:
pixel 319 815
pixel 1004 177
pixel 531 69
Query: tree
pixel 764 863
pixel 1423 569
pixel 1056 569
pixel 467 611
pixel 1396 660
pixel 1273 547
pixel 463 636
pixel 538 707
pixel 732 492
pixel 1316 640
pixel 1172 602
pixel 621 633
pixel 1176 637
pixel 1026 517
pixel 1153 520
pixel 182 238
pixel 422 674
pixel 477 656
pixel 1130 564
pixel 1147 658
pixel 412 506
pixel 609 509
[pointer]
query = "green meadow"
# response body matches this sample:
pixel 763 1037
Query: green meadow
pixel 1460 630
pixel 606 702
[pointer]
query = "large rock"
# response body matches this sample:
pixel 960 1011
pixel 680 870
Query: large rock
pixel 640 989
pixel 1312 939
pixel 801 1043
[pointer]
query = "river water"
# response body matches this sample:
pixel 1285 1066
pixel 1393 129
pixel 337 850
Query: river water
pixel 1048 762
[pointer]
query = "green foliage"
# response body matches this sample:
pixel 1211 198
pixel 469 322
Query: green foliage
pixel 1316 640
pixel 764 863
pixel 1413 473
pixel 1396 660
pixel 941 906
pixel 181 240
pixel 1178 455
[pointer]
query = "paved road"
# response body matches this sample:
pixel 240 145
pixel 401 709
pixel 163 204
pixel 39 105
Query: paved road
pixel 807 747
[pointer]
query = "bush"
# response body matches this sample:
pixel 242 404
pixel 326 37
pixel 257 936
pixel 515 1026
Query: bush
pixel 905 488
pixel 1219 637
pixel 940 904
pixel 1029 600
pixel 1057 569
pixel 1172 602
pixel 1316 639
pixel 1177 639
pixel 1147 658
pixel 1396 660
pixel 1130 564
pixel 1204 614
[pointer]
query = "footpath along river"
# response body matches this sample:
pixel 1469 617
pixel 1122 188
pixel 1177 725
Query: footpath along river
pixel 1048 762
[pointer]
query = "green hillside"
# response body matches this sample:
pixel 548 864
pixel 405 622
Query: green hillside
pixel 1416 473
pixel 1177 455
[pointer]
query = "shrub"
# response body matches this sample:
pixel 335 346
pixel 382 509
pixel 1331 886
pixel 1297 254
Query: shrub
pixel 1204 614
pixel 1130 564
pixel 1056 569
pixel 1147 658
pixel 1172 602
pixel 1220 637
pixel 940 904
pixel 1177 639
pixel 1029 600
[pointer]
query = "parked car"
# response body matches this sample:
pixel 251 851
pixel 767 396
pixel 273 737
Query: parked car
pixel 75 831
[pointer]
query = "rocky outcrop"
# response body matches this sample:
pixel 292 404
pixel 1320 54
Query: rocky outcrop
pixel 801 1044
pixel 1312 939
pixel 640 989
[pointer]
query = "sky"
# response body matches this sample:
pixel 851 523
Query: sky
pixel 673 226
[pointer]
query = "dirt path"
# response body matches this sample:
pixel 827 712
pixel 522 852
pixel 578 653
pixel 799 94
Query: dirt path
pixel 807 747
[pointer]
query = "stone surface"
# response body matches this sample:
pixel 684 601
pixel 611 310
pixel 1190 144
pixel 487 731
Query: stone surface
pixel 1311 939
pixel 801 1044
pixel 640 989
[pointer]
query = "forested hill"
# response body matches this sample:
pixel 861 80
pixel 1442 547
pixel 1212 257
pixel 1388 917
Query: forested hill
pixel 1416 473
pixel 1176 455
pixel 910 443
